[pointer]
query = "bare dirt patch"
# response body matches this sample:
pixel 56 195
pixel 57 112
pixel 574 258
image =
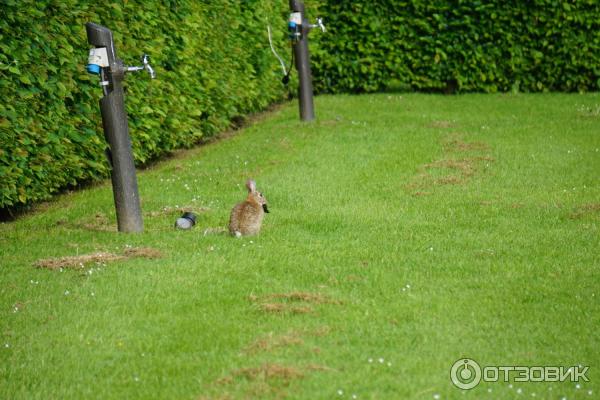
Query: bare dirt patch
pixel 79 261
pixel 268 380
pixel 456 144
pixel 271 342
pixel 585 210
pixel 321 331
pixel 450 180
pixel 269 371
pixel 290 303
pixel 460 162
pixel 144 252
pixel 268 377
pixel 303 297
pixel 285 308
pixel 465 166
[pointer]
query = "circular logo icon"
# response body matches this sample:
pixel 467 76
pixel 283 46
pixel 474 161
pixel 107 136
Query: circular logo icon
pixel 465 373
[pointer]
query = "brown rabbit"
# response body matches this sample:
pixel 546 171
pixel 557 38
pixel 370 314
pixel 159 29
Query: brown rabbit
pixel 246 217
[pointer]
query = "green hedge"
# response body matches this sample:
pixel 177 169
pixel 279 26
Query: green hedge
pixel 458 45
pixel 213 65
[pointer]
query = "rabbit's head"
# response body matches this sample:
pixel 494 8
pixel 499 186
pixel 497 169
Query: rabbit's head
pixel 254 196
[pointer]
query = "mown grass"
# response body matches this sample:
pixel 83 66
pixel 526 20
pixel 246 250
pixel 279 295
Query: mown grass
pixel 406 232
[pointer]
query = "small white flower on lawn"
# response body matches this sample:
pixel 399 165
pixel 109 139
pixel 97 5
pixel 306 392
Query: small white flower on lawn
pixel 93 294
pixel 370 360
pixel 67 292
pixel 510 386
pixel 354 396
pixel 590 392
pixel 389 364
pixel 519 390
pixel 578 386
pixel 489 390
pixel 407 286
pixel 436 396
pixel 340 392
pixel 381 360
pixel 7 346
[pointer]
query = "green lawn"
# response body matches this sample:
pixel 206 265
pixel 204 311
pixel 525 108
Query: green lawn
pixel 406 232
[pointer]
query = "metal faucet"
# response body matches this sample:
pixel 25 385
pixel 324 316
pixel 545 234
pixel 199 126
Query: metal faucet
pixel 146 67
pixel 319 25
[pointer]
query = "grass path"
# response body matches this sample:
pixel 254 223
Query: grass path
pixel 406 232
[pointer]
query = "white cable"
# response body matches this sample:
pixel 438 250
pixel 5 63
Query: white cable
pixel 275 52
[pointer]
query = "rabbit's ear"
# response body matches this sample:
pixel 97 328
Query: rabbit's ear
pixel 251 185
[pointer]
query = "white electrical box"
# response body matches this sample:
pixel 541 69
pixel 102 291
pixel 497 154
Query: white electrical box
pixel 296 18
pixel 98 56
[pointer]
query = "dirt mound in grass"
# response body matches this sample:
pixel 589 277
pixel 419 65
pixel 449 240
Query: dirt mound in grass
pixel 81 261
pixel 459 163
pixel 270 371
pixel 291 303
